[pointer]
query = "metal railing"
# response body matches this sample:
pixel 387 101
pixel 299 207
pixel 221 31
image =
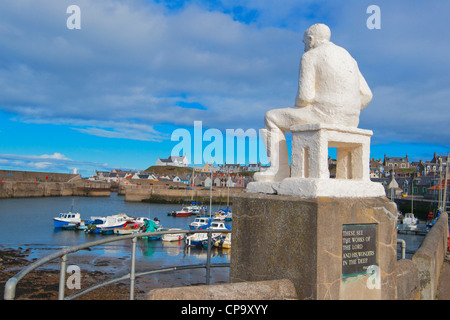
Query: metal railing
pixel 403 246
pixel 11 284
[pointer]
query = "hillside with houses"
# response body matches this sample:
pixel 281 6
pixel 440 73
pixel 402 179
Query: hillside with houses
pixel 399 175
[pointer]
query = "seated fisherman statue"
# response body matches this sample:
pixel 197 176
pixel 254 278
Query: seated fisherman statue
pixel 331 90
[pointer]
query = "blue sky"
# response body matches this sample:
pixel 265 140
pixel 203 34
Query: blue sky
pixel 110 94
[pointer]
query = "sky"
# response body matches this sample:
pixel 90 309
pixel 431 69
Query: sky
pixel 112 93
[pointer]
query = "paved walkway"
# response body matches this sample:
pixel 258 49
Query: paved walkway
pixel 443 290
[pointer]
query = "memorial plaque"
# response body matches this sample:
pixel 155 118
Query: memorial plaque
pixel 359 248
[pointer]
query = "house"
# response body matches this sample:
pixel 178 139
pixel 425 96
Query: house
pixel 229 168
pixel 252 167
pixel 239 183
pixel 217 182
pixel 206 168
pixel 207 182
pixel 176 161
pixel 199 180
pixel 376 168
pixel 393 188
pixel 185 179
pixel 396 162
pixel 165 178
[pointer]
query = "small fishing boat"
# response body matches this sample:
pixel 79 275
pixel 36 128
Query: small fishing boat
pixel 65 219
pixel 173 236
pixel 200 223
pixel 196 239
pixel 224 241
pixel 128 228
pixel 184 212
pixel 223 215
pixel 410 221
pixel 199 239
pixel 111 222
pixel 196 209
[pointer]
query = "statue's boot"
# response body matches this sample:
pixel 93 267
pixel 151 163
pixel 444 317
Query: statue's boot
pixel 275 142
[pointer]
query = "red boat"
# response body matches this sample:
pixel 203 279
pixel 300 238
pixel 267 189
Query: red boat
pixel 184 212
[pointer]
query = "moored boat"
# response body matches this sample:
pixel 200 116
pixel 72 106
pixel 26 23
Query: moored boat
pixel 111 222
pixel 200 223
pixel 184 212
pixel 128 228
pixel 173 236
pixel 64 219
pixel 223 241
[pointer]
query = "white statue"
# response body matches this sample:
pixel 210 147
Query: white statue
pixel 331 90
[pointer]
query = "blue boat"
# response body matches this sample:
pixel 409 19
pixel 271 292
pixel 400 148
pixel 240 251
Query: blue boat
pixel 200 223
pixel 65 219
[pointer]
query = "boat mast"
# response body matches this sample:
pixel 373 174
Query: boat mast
pixel 210 194
pixel 445 186
pixel 192 185
pixel 440 185
pixel 412 195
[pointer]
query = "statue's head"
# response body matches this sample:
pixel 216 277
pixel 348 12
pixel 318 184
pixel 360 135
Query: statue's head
pixel 316 35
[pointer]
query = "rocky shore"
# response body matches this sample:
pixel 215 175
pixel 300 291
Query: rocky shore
pixel 42 284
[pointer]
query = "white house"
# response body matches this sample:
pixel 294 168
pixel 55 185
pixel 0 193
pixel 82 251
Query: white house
pixel 177 161
pixel 207 182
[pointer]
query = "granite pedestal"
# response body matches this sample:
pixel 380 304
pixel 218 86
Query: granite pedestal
pixel 330 248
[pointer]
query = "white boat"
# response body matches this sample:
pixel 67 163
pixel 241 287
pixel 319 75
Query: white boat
pixel 223 215
pixel 112 222
pixel 200 223
pixel 173 236
pixel 410 221
pixel 198 239
pixel 65 219
pixel 223 241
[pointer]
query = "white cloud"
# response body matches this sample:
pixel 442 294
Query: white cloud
pixel 55 162
pixel 125 70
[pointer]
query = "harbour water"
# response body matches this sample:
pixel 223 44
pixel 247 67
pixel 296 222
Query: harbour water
pixel 28 223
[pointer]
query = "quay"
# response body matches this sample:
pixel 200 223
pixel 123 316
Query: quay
pixel 25 184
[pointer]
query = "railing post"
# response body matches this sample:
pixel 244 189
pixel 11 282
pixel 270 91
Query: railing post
pixel 10 289
pixel 62 277
pixel 133 267
pixel 208 258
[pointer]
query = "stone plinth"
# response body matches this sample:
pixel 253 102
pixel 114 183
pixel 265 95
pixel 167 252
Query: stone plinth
pixel 310 177
pixel 277 237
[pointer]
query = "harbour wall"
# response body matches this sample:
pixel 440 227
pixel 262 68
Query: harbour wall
pixel 418 278
pixel 178 196
pixel 29 189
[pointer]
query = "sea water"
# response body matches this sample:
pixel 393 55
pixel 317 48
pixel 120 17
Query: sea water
pixel 28 223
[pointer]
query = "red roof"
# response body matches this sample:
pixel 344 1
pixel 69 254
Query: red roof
pixel 440 186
